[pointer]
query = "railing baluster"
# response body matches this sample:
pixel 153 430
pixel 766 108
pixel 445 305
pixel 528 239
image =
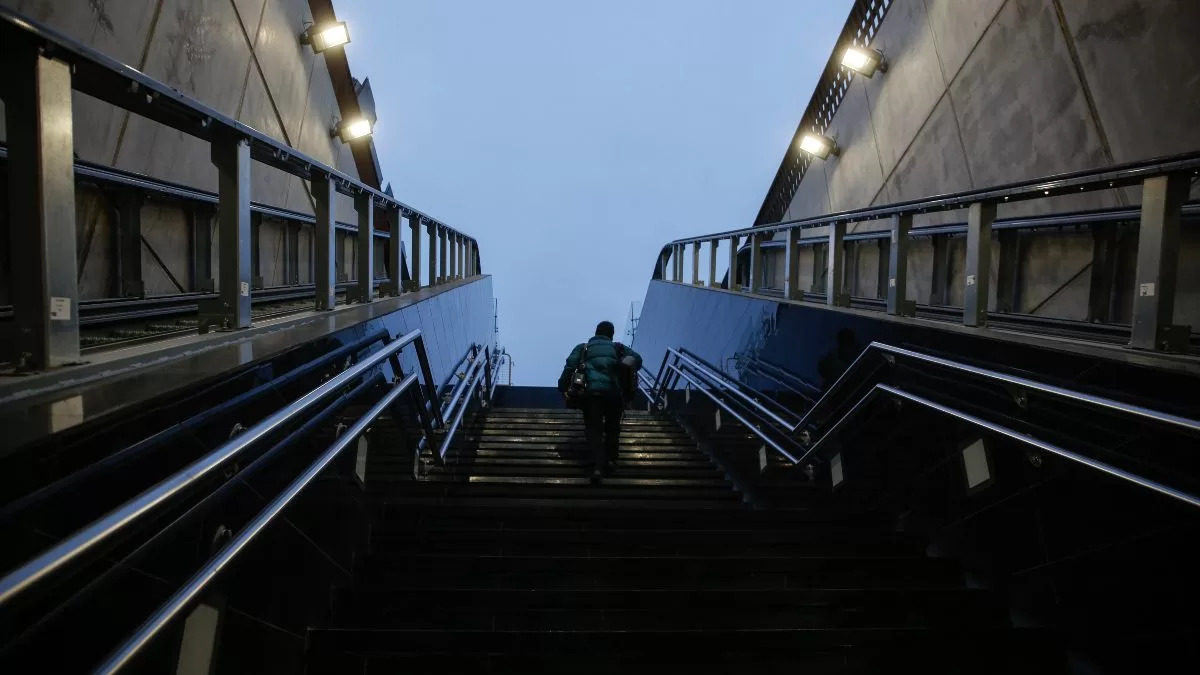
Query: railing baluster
pixel 324 275
pixel 364 289
pixel 231 309
pixel 1158 265
pixel 835 296
pixel 41 194
pixel 712 263
pixel 791 266
pixel 897 283
pixel 980 217
pixel 734 284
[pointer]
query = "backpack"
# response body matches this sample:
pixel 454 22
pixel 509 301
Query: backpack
pixel 577 390
pixel 626 376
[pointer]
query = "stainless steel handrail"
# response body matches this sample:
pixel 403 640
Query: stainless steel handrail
pixel 119 519
pixel 724 406
pixel 1008 433
pixel 476 376
pixel 192 588
pixel 1049 389
pixel 459 388
pixel 729 384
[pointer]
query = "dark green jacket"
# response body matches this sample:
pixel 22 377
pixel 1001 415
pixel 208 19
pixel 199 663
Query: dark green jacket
pixel 602 366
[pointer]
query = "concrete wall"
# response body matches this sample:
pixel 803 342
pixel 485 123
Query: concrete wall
pixel 243 58
pixel 984 92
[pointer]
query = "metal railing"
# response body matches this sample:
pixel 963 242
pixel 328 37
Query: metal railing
pixel 1165 183
pixel 75 546
pixel 166 494
pixel 42 69
pixel 192 588
pixel 858 386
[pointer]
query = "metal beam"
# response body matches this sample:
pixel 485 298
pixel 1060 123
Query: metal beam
pixel 978 264
pixel 898 303
pixel 883 254
pixel 325 273
pixel 1158 266
pixel 695 263
pixel 835 295
pixel 364 287
pixel 41 197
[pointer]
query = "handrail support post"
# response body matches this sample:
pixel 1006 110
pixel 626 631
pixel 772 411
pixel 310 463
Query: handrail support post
pixel 1158 265
pixel 978 269
pixel 898 303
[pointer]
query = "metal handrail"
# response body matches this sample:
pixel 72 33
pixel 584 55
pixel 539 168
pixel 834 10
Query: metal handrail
pixel 122 517
pixel 473 357
pixel 724 384
pixel 1051 390
pixel 736 415
pixel 1008 433
pixel 737 387
pixel 478 372
pixel 1105 178
pixel 197 583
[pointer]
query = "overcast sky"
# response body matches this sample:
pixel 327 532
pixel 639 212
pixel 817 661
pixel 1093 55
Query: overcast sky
pixel 574 139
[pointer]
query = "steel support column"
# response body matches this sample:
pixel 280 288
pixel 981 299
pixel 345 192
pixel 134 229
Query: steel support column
pixel 883 254
pixel 820 268
pixel 41 197
pixel 395 248
pixel 1008 272
pixel 791 265
pixel 1103 272
pixel 835 294
pixel 897 271
pixel 414 256
pixel 443 244
pixel 231 309
pixel 129 247
pixel 712 263
pixel 1158 266
pixel 695 263
pixel 364 288
pixel 734 283
pixel 978 264
pixel 756 263
pixel 325 273
pixel 432 229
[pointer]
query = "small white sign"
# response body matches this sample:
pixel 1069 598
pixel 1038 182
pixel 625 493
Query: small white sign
pixel 762 459
pixel 970 279
pixel 717 421
pixel 60 309
pixel 1146 290
pixel 835 470
pixel 245 289
pixel 892 282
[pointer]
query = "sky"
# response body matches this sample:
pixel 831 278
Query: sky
pixel 573 140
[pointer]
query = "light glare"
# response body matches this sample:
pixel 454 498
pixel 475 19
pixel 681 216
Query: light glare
pixel 814 145
pixel 334 37
pixel 357 129
pixel 855 59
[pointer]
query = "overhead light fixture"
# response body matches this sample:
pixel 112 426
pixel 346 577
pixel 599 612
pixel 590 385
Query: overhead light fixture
pixel 351 129
pixel 326 37
pixel 864 60
pixel 819 146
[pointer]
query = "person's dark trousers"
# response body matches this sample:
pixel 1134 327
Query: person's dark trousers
pixel 602 422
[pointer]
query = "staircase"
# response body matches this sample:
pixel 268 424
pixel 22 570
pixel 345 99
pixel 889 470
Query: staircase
pixel 505 559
